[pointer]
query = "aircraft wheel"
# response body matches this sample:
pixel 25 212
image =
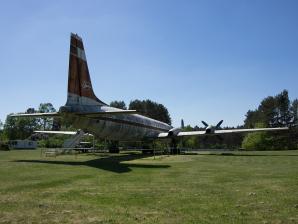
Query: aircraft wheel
pixel 147 151
pixel 114 151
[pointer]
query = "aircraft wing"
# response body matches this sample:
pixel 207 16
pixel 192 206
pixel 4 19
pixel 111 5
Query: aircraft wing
pixel 163 135
pixel 54 114
pixel 220 132
pixel 191 133
pixel 182 133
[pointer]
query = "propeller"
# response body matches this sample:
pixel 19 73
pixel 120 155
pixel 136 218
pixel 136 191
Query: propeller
pixel 216 127
pixel 210 129
pixel 218 124
pixel 204 123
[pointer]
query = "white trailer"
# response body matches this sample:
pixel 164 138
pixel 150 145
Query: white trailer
pixel 22 144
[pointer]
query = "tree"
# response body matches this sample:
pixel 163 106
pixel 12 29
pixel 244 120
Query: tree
pixel 267 112
pixel 273 111
pixel 256 141
pixel 2 136
pixel 294 111
pixel 283 108
pixel 251 119
pixel 19 128
pixel 23 127
pixel 118 104
pixel 46 123
pixel 182 124
pixel 151 109
pixel 188 142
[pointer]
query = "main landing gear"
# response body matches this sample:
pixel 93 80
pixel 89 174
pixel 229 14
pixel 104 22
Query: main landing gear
pixel 114 147
pixel 174 150
pixel 114 150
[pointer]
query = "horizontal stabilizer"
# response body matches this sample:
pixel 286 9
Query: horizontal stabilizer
pixel 57 132
pixel 91 114
pixel 63 132
pixel 54 114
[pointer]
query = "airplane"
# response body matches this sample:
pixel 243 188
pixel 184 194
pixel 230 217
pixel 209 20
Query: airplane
pixel 88 113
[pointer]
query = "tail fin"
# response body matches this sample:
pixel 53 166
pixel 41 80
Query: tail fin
pixel 80 91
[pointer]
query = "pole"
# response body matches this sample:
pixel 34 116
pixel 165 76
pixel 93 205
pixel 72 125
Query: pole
pixel 154 150
pixel 93 143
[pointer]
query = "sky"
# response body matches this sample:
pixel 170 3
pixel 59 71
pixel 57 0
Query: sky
pixel 203 59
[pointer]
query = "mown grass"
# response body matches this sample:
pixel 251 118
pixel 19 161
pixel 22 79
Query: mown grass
pixel 241 187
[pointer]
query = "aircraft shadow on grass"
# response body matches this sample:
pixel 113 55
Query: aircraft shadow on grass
pixel 243 155
pixel 109 163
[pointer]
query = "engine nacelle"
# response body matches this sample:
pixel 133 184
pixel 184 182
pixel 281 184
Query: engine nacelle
pixel 174 132
pixel 210 129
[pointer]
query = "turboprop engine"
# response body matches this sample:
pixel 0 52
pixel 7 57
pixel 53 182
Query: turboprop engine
pixel 174 132
pixel 210 129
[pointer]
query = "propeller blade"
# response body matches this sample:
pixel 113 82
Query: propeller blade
pixel 204 123
pixel 219 123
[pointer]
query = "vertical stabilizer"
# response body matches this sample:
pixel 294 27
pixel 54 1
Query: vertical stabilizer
pixel 80 91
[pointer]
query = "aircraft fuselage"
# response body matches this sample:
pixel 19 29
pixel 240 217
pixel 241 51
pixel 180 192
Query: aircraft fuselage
pixel 125 127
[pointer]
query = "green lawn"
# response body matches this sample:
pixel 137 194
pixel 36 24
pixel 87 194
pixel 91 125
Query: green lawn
pixel 241 187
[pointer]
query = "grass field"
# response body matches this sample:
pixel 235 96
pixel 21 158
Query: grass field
pixel 240 187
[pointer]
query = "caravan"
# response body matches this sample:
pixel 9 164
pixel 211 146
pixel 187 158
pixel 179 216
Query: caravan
pixel 22 144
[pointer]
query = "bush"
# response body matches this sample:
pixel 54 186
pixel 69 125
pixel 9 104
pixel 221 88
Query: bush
pixel 255 141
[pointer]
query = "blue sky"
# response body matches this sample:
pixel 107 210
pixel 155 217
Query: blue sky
pixel 204 60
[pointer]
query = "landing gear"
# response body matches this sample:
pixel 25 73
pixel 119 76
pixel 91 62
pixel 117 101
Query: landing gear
pixel 147 151
pixel 84 150
pixel 114 147
pixel 114 151
pixel 174 150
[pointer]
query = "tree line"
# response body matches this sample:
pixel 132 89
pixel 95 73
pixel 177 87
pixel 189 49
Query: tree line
pixel 147 108
pixel 22 128
pixel 273 111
